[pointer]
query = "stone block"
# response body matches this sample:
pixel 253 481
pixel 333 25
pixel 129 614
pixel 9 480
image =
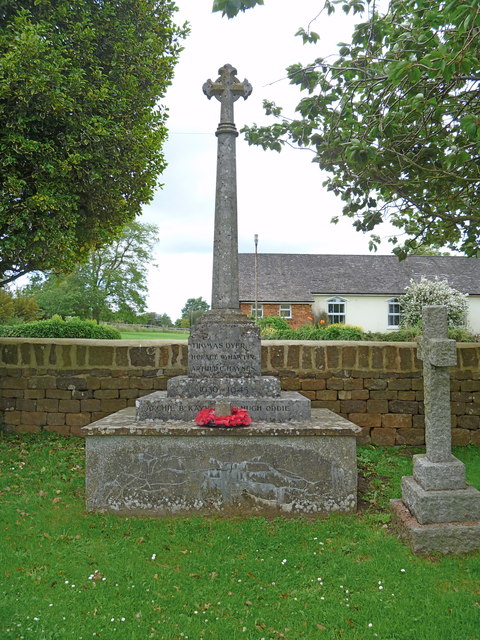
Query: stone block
pixel 69 406
pixel 293 357
pixel 400 384
pixel 377 406
pixel 397 420
pixel 100 356
pixel 26 405
pixel 38 418
pixel 327 394
pixel 366 419
pixel 106 394
pixel 289 406
pixel 120 383
pixel 349 357
pixel 384 437
pixel 353 384
pixel 436 476
pixel 353 406
pixel 90 404
pixel 9 354
pixel 55 419
pixel 445 538
pixel 460 437
pixel 47 404
pixel 412 437
pixel 407 395
pixel 110 406
pixel 290 384
pixel 77 419
pixel 335 383
pixel 35 394
pixel 402 406
pixel 455 505
pixel 359 394
pixel 468 422
pixel 376 384
pixel 251 387
pixel 313 385
pixel 60 394
pixel 72 383
pixel 176 468
pixel 42 382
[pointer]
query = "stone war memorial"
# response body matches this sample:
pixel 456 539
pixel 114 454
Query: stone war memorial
pixel 439 511
pixel 156 460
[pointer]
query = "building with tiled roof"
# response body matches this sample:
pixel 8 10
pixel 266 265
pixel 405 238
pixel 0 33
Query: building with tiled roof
pixel 356 289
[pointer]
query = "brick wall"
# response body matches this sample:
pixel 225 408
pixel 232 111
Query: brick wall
pixel 301 313
pixel 61 385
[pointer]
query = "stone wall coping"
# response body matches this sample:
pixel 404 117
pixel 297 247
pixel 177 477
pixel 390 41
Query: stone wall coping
pixel 265 343
pixel 322 423
pixel 342 343
pixel 93 342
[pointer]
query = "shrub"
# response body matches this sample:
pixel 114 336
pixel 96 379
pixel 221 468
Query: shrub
pixel 432 292
pixel 273 322
pixel 58 328
pixel 330 332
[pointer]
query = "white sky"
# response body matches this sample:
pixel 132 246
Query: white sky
pixel 280 196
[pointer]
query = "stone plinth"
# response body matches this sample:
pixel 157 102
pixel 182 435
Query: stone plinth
pixel 224 364
pixel 289 406
pixel 177 468
pixel 444 537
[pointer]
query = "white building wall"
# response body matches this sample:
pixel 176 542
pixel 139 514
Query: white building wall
pixel 371 312
pixel 474 313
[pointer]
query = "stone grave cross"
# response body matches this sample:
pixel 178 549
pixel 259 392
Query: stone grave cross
pixel 442 510
pixel 438 354
pixel 227 89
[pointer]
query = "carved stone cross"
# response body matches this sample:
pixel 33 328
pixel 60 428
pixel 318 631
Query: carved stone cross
pixel 438 354
pixel 227 89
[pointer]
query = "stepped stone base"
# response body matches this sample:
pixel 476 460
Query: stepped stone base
pixel 289 406
pixel 165 468
pixel 444 537
pixel 437 476
pixel 447 505
pixel 256 386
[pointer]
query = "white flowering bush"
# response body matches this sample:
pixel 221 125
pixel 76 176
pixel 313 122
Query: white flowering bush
pixel 425 292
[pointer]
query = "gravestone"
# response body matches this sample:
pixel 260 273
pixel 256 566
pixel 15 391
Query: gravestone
pixel 439 511
pixel 157 461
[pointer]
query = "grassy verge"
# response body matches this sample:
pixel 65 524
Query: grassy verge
pixel 153 335
pixel 66 574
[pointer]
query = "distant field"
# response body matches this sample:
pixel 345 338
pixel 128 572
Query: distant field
pixel 153 335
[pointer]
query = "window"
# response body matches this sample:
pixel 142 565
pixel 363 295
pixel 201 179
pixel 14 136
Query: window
pixel 259 311
pixel 394 313
pixel 336 310
pixel 285 311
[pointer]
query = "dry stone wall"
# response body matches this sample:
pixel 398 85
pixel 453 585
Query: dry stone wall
pixel 62 385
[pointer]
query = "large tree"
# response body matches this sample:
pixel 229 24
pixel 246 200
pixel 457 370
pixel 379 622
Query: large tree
pixel 394 120
pixel 81 129
pixel 112 283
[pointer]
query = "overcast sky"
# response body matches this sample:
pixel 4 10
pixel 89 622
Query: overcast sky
pixel 280 196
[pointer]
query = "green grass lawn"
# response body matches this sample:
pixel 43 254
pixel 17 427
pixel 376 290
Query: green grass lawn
pixel 66 574
pixel 153 335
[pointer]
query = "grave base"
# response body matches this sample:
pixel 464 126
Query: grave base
pixel 444 537
pixel 165 468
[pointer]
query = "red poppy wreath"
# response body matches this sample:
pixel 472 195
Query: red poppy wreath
pixel 238 418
